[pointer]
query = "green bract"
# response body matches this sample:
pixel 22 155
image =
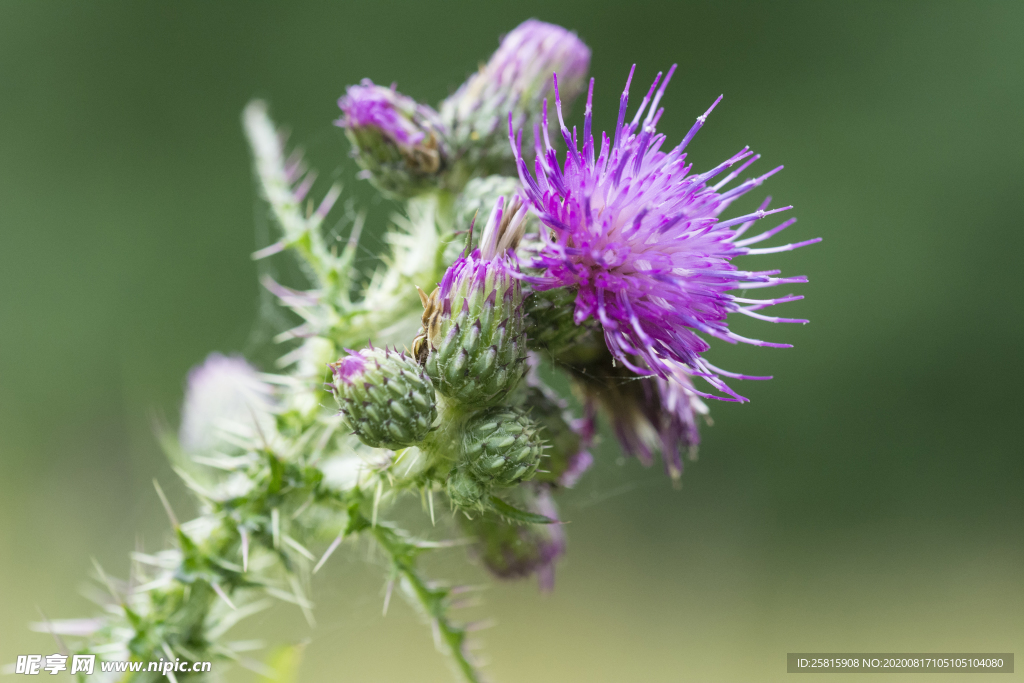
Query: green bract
pixel 502 446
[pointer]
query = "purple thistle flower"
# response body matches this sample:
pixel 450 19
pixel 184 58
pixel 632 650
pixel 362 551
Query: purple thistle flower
pixel 639 239
pixel 517 74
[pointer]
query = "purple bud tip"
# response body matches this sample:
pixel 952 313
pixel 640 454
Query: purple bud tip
pixel 349 368
pixel 517 77
pixel 368 105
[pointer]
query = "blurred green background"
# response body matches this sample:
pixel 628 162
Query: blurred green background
pixel 870 498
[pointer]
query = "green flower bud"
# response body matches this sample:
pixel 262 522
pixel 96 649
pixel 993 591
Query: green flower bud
pixel 500 447
pixel 398 142
pixel 473 344
pixel 386 398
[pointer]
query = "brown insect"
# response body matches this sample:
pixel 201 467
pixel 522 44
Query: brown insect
pixel 431 322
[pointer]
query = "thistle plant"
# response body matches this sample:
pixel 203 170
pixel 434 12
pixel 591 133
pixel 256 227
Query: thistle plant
pixel 424 379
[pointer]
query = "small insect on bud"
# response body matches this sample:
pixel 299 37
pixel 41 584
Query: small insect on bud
pixel 501 447
pixel 516 80
pixel 385 397
pixel 397 141
pixel 473 338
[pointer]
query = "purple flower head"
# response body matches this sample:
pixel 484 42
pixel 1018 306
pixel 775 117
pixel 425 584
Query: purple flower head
pixel 518 74
pixel 368 105
pixel 639 238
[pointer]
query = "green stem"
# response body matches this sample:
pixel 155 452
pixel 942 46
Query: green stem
pixel 443 446
pixel 430 600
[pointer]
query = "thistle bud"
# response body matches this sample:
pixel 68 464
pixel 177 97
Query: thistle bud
pixel 516 80
pixel 473 339
pixel 385 397
pixel 511 550
pixel 396 141
pixel 500 447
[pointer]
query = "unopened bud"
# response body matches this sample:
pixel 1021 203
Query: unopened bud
pixel 500 447
pixel 385 397
pixel 473 339
pixel 397 141
pixel 516 80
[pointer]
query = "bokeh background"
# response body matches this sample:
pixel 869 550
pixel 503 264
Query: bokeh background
pixel 870 498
